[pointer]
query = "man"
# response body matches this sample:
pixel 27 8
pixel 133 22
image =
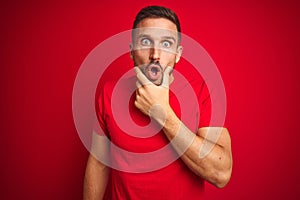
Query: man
pixel 155 50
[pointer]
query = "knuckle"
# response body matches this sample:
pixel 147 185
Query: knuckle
pixel 137 99
pixel 141 91
pixel 136 103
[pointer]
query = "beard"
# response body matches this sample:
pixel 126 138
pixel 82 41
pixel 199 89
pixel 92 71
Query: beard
pixel 154 72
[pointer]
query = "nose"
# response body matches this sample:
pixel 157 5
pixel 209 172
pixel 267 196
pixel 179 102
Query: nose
pixel 154 54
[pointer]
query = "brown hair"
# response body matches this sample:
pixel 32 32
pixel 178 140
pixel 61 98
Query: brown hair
pixel 158 12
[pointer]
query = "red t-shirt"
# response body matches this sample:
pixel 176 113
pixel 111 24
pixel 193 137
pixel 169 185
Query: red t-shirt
pixel 139 175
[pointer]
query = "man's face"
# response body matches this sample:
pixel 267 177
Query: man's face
pixel 155 46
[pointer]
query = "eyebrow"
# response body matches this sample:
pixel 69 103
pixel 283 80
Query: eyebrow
pixel 169 38
pixel 164 37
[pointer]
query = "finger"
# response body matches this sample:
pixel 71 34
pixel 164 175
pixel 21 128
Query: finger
pixel 166 77
pixel 141 77
pixel 138 84
pixel 171 79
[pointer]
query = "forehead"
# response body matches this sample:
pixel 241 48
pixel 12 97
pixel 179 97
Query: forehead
pixel 157 23
pixel 156 27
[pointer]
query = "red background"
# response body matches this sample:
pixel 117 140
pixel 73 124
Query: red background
pixel 256 46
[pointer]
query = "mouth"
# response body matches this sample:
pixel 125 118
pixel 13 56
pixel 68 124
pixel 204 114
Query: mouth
pixel 154 72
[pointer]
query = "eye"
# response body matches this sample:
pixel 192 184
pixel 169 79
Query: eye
pixel 166 44
pixel 146 42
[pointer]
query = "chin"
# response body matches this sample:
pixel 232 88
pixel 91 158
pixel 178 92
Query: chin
pixel 158 83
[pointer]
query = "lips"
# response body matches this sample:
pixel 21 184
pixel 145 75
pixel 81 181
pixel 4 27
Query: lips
pixel 154 73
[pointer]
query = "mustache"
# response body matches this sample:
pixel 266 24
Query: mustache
pixel 146 67
pixel 154 63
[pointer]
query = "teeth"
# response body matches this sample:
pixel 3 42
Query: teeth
pixel 153 72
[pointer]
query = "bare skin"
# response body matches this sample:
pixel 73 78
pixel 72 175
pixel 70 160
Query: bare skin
pixel 95 180
pixel 215 164
pixel 97 173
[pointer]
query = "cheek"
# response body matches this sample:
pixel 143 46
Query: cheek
pixel 141 56
pixel 168 59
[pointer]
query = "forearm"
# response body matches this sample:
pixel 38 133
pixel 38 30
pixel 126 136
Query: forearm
pixel 213 164
pixel 208 159
pixel 95 180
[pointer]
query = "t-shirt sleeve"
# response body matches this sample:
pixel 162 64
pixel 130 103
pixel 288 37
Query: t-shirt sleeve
pixel 204 102
pixel 101 102
pixel 210 117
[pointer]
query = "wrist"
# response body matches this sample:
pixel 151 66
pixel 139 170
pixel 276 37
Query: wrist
pixel 160 113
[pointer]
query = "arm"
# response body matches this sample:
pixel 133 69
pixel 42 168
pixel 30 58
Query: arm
pixel 96 175
pixel 209 159
pixel 95 179
pixel 206 155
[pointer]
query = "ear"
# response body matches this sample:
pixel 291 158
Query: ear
pixel 178 53
pixel 131 48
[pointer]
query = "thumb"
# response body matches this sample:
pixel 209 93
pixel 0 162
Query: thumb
pixel 141 77
pixel 168 70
